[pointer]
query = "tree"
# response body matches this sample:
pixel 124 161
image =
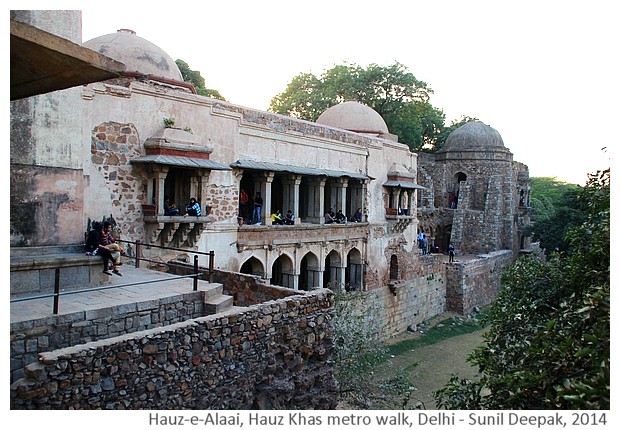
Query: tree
pixel 556 210
pixel 392 91
pixel 549 342
pixel 358 350
pixel 195 78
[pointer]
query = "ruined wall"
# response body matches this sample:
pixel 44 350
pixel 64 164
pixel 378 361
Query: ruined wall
pixel 412 301
pixel 476 282
pixel 269 356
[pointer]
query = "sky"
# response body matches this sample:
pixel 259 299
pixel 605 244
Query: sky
pixel 541 73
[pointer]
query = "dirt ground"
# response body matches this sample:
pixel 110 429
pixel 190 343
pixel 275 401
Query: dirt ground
pixel 436 363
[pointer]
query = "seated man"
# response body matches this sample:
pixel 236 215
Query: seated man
pixel 289 218
pixel 340 217
pixel 170 209
pixel 193 208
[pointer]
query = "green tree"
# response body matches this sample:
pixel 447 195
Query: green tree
pixel 195 78
pixel 549 342
pixel 556 211
pixel 392 91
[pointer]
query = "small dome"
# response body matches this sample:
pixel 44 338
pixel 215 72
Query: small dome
pixel 138 54
pixel 354 116
pixel 474 135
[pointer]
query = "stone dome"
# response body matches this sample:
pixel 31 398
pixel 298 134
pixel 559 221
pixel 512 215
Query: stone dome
pixel 138 54
pixel 354 116
pixel 474 135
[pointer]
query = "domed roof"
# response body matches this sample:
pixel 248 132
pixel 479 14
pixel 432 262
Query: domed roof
pixel 138 54
pixel 353 116
pixel 474 135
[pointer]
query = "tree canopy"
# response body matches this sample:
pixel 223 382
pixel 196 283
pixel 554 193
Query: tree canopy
pixel 195 78
pixel 548 346
pixel 392 91
pixel 556 210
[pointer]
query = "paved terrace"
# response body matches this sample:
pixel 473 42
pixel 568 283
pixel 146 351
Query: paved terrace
pixel 104 298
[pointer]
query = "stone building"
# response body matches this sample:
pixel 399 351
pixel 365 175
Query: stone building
pixel 132 136
pixel 120 147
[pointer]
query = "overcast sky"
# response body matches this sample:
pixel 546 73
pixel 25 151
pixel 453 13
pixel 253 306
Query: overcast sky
pixel 542 73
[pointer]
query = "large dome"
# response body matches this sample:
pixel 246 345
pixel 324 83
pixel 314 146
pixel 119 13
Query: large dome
pixel 138 54
pixel 354 116
pixel 474 135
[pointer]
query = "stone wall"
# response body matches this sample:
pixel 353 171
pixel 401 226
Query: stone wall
pixel 269 356
pixel 249 290
pixel 475 283
pixel 28 338
pixel 413 301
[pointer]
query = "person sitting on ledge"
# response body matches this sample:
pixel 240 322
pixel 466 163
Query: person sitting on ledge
pixel 276 218
pixel 329 217
pixel 193 208
pixel 170 209
pixel 289 218
pixel 357 217
pixel 340 217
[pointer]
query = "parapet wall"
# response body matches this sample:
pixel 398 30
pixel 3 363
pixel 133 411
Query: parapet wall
pixel 28 338
pixel 269 356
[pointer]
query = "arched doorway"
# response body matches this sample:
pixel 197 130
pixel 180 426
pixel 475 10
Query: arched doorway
pixel 253 266
pixel 282 272
pixel 333 268
pixel 353 278
pixel 309 272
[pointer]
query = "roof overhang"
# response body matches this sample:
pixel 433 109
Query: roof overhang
pixel 180 161
pixel 404 184
pixel 42 62
pixel 297 170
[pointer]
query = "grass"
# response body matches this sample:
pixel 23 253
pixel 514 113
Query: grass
pixel 443 330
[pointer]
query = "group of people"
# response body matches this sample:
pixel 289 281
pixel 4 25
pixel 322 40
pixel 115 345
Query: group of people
pixel 100 241
pixel 424 247
pixel 278 219
pixel 250 210
pixel 191 209
pixel 340 218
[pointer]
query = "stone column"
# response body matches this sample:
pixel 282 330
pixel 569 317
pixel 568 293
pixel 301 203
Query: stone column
pixel 342 203
pixel 266 187
pixel 203 180
pixel 159 174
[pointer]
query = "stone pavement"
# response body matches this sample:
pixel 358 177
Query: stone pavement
pixel 96 298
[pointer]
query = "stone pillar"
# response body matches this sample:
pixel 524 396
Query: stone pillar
pixel 394 198
pixel 363 198
pixel 203 181
pixel 316 200
pixel 290 190
pixel 159 174
pixel 266 187
pixel 342 204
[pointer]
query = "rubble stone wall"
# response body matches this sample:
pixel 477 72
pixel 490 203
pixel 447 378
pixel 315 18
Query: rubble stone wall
pixel 28 338
pixel 275 355
pixel 475 283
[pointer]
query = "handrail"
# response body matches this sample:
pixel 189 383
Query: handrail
pixel 103 287
pixel 56 294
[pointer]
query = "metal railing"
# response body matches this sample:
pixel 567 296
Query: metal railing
pixel 138 257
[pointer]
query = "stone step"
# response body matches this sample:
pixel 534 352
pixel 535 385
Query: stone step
pixel 217 304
